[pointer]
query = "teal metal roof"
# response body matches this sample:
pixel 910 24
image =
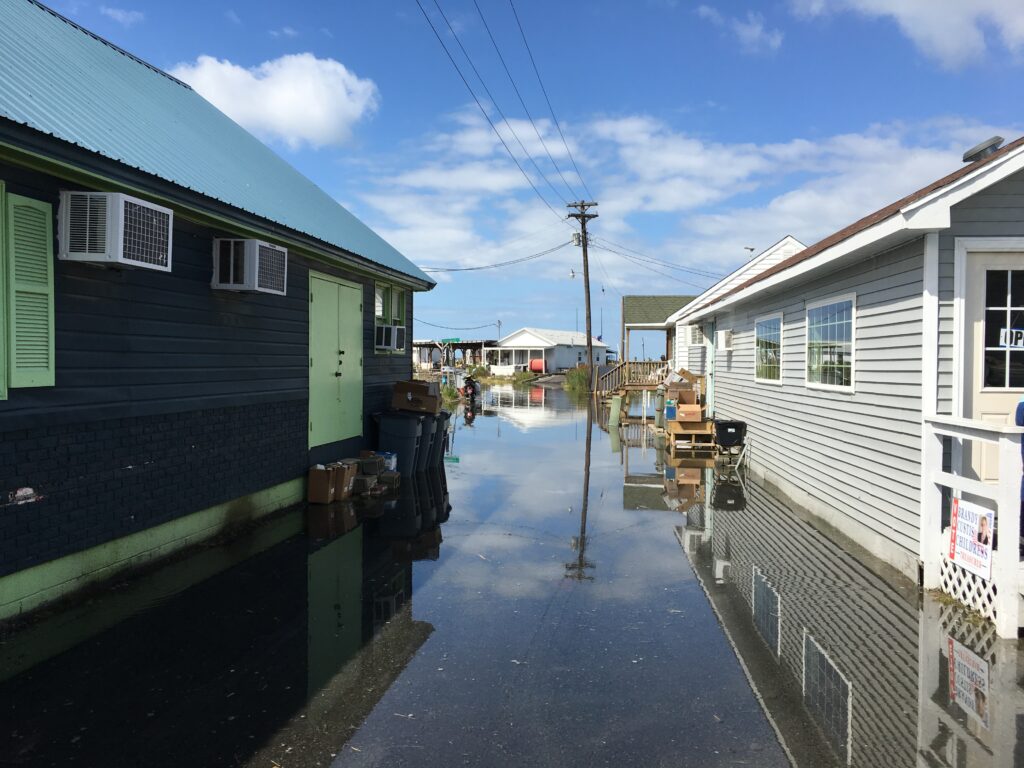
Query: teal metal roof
pixel 59 79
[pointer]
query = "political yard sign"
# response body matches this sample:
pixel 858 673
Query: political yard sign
pixel 968 681
pixel 970 538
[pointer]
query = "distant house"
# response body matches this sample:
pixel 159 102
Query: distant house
pixel 877 368
pixel 186 322
pixel 542 350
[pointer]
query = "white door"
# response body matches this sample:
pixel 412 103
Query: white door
pixel 993 354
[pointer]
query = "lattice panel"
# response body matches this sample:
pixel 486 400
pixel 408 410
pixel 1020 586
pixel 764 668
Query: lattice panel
pixel 979 637
pixel 971 590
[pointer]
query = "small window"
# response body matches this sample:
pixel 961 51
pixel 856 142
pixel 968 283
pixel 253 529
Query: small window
pixel 768 349
pixel 828 696
pixel 389 311
pixel 830 343
pixel 1003 331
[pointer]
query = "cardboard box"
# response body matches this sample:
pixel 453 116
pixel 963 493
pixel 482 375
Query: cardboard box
pixel 689 413
pixel 408 400
pixel 688 476
pixel 320 485
pixel 363 483
pixel 371 465
pixel 345 474
pixel 691 492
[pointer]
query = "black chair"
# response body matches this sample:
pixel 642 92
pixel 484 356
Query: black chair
pixel 731 439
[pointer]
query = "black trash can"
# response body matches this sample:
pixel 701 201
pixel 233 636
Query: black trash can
pixel 426 441
pixel 440 437
pixel 401 432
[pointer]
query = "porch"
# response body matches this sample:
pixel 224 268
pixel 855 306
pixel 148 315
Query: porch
pixel 504 361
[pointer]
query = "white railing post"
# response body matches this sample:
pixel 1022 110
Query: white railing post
pixel 1006 560
pixel 931 506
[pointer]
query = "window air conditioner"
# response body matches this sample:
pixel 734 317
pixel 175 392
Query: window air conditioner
pixel 112 228
pixel 724 342
pixel 249 265
pixel 398 336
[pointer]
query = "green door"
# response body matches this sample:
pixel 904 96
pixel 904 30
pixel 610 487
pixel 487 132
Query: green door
pixel 335 361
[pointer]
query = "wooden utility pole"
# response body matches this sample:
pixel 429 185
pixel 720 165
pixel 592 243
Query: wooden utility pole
pixel 583 217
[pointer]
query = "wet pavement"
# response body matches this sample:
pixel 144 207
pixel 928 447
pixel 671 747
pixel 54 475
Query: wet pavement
pixel 573 609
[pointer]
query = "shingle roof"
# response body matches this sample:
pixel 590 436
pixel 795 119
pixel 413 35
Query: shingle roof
pixel 650 310
pixel 874 218
pixel 64 81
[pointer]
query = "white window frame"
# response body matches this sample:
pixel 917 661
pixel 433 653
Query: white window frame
pixel 852 298
pixel 782 333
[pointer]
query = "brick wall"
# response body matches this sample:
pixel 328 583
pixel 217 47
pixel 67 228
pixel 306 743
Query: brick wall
pixel 106 479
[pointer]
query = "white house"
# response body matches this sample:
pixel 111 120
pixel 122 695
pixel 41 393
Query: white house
pixel 542 350
pixel 876 370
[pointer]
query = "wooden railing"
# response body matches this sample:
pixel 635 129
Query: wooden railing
pixel 647 372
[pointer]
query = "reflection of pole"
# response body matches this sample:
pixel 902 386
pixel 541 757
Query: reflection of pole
pixel 577 569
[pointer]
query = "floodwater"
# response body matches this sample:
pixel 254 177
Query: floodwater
pixel 572 610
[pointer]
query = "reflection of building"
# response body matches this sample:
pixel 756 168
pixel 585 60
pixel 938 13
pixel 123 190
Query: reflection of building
pixel 542 351
pixel 526 407
pixel 826 641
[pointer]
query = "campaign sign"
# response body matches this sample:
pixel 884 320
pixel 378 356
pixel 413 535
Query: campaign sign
pixel 968 681
pixel 1011 337
pixel 970 538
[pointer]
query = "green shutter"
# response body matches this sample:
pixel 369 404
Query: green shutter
pixel 29 240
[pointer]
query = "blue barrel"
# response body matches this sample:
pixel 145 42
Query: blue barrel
pixel 401 433
pixel 440 436
pixel 426 441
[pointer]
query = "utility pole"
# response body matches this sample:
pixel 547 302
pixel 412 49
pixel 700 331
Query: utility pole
pixel 583 217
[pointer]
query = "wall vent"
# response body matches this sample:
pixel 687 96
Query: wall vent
pixel 724 341
pixel 113 228
pixel 249 265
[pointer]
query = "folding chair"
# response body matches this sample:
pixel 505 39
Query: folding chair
pixel 731 440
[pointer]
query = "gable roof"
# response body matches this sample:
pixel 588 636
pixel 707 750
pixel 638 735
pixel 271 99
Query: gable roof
pixel 555 338
pixel 769 257
pixel 61 80
pixel 891 211
pixel 651 310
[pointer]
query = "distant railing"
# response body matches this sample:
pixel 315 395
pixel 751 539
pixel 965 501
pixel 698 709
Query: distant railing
pixel 628 372
pixel 997 598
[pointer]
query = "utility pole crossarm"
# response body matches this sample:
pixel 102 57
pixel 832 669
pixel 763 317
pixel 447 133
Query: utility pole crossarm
pixel 583 217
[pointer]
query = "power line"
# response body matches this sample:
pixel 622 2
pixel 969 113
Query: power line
pixel 484 111
pixel 453 328
pixel 548 100
pixel 498 264
pixel 522 101
pixel 649 268
pixel 494 101
pixel 652 260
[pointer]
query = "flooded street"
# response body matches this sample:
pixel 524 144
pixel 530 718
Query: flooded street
pixel 560 615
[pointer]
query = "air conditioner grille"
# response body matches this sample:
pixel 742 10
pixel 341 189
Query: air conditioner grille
pixel 272 268
pixel 400 337
pixel 146 234
pixel 88 220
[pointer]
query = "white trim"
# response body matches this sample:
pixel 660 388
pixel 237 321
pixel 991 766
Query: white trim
pixel 928 214
pixel 808 306
pixel 962 247
pixel 782 331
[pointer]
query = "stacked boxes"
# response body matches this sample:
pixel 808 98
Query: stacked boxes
pixel 418 396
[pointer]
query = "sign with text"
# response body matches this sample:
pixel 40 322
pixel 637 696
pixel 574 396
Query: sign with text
pixel 1011 337
pixel 968 681
pixel 970 538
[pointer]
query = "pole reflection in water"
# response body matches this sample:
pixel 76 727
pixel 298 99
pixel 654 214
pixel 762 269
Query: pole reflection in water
pixel 852 665
pixel 578 568
pixel 261 652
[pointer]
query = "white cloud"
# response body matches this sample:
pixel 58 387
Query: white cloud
pixel 298 99
pixel 125 18
pixel 284 32
pixel 232 16
pixel 954 32
pixel 753 34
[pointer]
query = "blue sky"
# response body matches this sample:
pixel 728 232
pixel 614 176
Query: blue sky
pixel 700 128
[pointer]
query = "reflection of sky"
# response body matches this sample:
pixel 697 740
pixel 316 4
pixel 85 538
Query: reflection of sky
pixel 528 667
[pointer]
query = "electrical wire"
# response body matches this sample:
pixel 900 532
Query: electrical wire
pixel 608 245
pixel 453 328
pixel 649 268
pixel 548 100
pixel 509 263
pixel 494 101
pixel 484 112
pixel 522 101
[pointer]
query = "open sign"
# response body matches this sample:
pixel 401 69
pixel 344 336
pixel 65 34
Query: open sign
pixel 1011 337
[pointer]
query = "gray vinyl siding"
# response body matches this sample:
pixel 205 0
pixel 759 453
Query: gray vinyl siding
pixel 855 455
pixel 995 212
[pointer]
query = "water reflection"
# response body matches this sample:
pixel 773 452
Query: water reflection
pixel 852 667
pixel 232 656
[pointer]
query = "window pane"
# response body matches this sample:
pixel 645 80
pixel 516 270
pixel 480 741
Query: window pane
pixel 1017 288
pixel 995 288
pixel 829 344
pixel 995 369
pixel 995 321
pixel 1017 368
pixel 378 300
pixel 398 305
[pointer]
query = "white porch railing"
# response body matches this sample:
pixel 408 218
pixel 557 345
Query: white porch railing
pixel 999 598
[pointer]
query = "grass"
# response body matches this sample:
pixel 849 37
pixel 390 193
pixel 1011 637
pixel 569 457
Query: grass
pixel 449 394
pixel 577 380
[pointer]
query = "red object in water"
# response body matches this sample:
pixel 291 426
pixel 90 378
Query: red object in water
pixel 536 366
